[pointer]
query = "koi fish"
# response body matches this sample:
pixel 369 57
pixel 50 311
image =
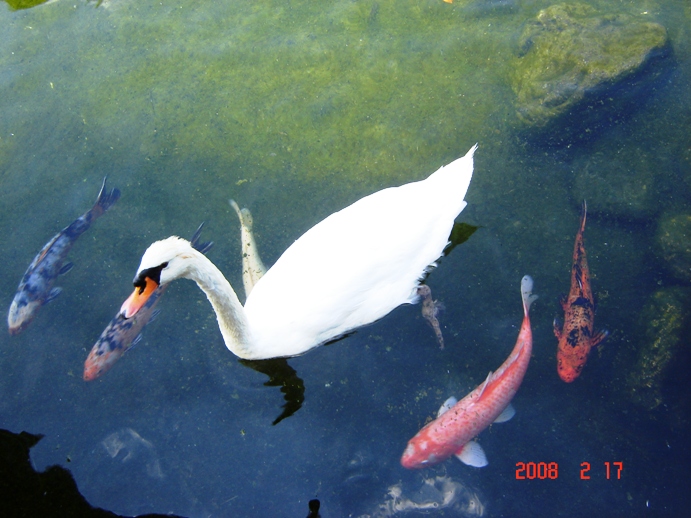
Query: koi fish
pixel 119 336
pixel 36 287
pixel 576 337
pixel 253 268
pixel 430 311
pixel 124 333
pixel 457 423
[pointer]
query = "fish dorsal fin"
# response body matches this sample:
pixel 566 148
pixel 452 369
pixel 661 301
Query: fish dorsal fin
pixel 446 406
pixel 472 454
pixel 484 386
pixel 506 414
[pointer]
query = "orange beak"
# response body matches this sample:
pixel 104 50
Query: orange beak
pixel 136 301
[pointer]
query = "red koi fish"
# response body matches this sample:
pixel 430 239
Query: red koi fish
pixel 576 337
pixel 452 431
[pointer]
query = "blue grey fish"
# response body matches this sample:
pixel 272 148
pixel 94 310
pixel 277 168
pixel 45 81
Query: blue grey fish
pixel 124 333
pixel 36 287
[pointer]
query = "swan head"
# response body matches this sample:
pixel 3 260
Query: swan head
pixel 163 262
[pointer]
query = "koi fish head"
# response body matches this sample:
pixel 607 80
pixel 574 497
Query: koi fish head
pixel 21 314
pixel 418 455
pixel 95 365
pixel 568 373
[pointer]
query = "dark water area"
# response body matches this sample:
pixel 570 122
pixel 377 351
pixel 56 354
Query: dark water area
pixel 296 110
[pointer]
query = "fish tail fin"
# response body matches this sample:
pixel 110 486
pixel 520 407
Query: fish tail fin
pixel 106 198
pixel 237 209
pixel 584 211
pixel 527 293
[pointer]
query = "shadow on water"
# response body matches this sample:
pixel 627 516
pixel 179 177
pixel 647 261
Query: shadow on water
pixel 50 493
pixel 281 375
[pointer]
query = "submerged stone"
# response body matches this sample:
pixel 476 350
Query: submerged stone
pixel 684 157
pixel 617 183
pixel 573 58
pixel 24 4
pixel 665 318
pixel 674 241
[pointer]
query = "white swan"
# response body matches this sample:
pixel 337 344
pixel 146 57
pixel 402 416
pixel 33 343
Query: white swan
pixel 349 270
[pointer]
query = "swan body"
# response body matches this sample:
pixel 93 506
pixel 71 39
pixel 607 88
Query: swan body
pixel 347 271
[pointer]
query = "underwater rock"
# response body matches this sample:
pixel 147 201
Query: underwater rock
pixel 126 445
pixel 665 317
pixel 685 161
pixel 674 241
pixel 440 493
pixel 576 66
pixel 16 5
pixel 618 184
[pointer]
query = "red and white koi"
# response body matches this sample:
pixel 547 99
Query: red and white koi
pixel 451 433
pixel 36 287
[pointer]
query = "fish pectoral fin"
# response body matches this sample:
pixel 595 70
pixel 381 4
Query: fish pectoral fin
pixel 562 302
pixel 65 268
pixel 154 316
pixel 506 414
pixel 136 340
pixel 472 454
pixel 598 338
pixel 446 406
pixel 52 295
pixel 557 328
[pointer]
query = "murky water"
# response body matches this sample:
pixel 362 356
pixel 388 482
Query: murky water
pixel 296 109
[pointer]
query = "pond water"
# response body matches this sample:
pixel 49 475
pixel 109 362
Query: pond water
pixel 296 109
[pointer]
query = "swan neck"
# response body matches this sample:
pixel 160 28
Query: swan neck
pixel 229 312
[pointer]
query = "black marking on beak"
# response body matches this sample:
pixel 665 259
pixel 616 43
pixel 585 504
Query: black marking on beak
pixel 152 273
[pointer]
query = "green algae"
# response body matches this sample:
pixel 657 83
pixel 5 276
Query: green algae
pixel 665 317
pixel 673 238
pixel 357 89
pixel 24 4
pixel 620 185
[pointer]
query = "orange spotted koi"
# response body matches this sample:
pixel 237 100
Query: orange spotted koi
pixel 576 337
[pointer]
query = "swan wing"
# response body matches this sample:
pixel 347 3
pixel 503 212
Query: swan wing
pixel 358 264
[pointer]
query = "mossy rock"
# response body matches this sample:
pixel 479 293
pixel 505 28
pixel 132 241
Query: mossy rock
pixel 674 241
pixel 684 157
pixel 665 318
pixel 573 59
pixel 618 185
pixel 24 4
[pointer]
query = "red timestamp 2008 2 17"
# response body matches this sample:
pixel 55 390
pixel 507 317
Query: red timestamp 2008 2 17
pixel 550 470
